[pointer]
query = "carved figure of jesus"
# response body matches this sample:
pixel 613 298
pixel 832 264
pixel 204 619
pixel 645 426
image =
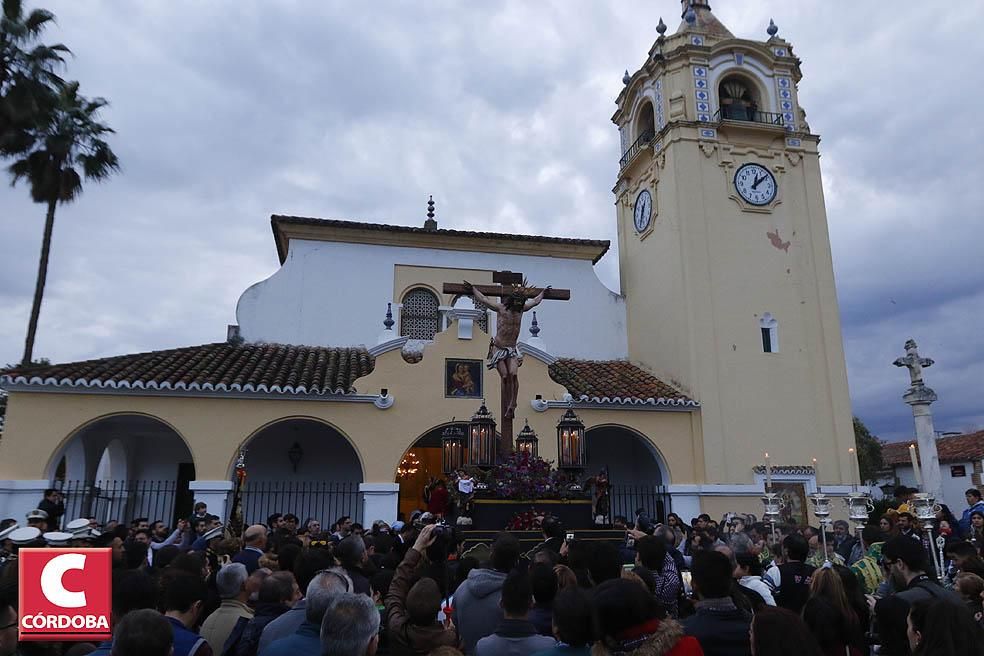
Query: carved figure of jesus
pixel 504 356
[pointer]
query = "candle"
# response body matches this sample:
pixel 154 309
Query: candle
pixel 768 473
pixel 856 475
pixel 816 473
pixel 915 465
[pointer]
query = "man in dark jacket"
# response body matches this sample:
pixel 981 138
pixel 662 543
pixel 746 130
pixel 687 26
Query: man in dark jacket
pixel 476 601
pixel 353 557
pixel 54 505
pixel 794 574
pixel 277 593
pixel 411 612
pixel 543 582
pixel 719 626
pixel 323 589
pixel 254 539
pixel 515 635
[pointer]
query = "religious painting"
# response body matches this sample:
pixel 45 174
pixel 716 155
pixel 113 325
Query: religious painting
pixel 463 379
pixel 794 496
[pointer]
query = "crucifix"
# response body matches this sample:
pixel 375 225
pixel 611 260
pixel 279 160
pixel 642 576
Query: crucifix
pixel 510 298
pixel 914 362
pixel 919 397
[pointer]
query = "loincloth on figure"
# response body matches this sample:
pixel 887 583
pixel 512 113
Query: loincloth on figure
pixel 498 353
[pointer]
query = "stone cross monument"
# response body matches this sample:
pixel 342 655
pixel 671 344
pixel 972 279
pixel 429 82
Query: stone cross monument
pixel 920 397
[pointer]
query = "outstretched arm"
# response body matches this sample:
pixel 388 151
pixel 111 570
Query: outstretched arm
pixel 482 298
pixel 536 300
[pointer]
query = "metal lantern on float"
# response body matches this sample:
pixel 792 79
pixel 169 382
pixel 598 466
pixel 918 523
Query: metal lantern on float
pixel 453 448
pixel 570 441
pixel 526 441
pixel 481 438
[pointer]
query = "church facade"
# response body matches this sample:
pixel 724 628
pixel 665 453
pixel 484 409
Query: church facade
pixel 722 344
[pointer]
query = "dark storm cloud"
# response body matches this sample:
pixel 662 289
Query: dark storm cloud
pixel 228 112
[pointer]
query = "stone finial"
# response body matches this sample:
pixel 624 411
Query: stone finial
pixel 388 322
pixel 430 223
pixel 690 15
pixel 661 28
pixel 534 326
pixel 772 29
pixel 626 78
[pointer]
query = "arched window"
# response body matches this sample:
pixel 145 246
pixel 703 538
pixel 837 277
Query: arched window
pixel 420 317
pixel 769 328
pixel 739 100
pixel 468 301
pixel 645 122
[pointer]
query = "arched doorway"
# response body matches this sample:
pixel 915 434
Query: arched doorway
pixel 421 464
pixel 123 467
pixel 637 473
pixel 301 466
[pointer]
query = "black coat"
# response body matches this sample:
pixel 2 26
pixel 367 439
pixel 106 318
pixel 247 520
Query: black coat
pixel 721 630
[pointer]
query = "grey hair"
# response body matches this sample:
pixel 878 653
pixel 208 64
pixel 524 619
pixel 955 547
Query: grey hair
pixel 322 590
pixel 350 624
pixel 230 579
pixel 740 543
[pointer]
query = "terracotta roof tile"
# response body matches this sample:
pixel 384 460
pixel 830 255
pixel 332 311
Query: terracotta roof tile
pixel 313 370
pixel 589 380
pixel 952 448
pixel 222 366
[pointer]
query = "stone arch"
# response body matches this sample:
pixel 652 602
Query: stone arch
pixel 264 431
pixel 637 470
pixel 113 464
pixel 644 119
pixel 426 448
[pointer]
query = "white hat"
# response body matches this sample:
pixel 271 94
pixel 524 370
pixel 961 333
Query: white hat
pixel 5 533
pixel 57 538
pixel 25 535
pixel 77 526
pixel 213 533
pixel 37 513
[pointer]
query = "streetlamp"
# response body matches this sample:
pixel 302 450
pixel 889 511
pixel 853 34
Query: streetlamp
pixel 453 448
pixel 526 441
pixel 570 441
pixel 294 454
pixel 481 438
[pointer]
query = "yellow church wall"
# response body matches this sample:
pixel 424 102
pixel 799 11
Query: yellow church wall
pixel 407 277
pixel 214 428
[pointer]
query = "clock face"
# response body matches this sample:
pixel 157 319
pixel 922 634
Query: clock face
pixel 643 213
pixel 756 184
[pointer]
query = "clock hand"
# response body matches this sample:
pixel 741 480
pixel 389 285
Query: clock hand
pixel 757 182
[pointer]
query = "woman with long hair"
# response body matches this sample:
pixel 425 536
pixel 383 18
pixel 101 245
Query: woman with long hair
pixel 830 617
pixel 977 529
pixel 887 524
pixel 937 627
pixel 777 631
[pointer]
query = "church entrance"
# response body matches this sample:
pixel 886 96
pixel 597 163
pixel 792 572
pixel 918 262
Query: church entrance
pixel 421 466
pixel 637 474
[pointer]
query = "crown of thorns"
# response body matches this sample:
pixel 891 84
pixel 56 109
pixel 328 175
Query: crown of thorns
pixel 524 289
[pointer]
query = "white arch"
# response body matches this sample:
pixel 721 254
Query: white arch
pixel 764 78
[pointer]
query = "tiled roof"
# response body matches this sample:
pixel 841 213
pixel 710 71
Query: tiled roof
pixel 278 220
pixel 953 448
pixel 213 367
pixel 615 381
pixel 285 369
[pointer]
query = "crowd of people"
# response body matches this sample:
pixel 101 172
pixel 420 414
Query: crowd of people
pixel 674 588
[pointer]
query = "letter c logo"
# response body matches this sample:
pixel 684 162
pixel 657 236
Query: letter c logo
pixel 51 580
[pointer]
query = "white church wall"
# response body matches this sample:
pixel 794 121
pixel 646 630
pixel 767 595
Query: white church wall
pixel 953 486
pixel 335 294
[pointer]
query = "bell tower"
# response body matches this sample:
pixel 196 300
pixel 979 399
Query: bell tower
pixel 724 253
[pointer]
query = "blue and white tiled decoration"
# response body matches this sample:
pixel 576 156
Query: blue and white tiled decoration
pixel 697 40
pixel 702 93
pixel 780 52
pixel 739 58
pixel 660 117
pixel 795 143
pixel 708 133
pixel 787 106
pixel 657 146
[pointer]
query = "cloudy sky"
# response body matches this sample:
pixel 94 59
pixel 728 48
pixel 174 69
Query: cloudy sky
pixel 227 112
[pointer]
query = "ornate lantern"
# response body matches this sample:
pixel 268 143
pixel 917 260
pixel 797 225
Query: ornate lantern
pixel 482 439
pixel 570 441
pixel 453 448
pixel 526 441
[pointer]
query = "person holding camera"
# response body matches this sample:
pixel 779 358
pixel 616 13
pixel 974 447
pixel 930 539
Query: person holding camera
pixel 411 611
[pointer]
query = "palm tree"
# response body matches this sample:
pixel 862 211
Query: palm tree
pixel 66 149
pixel 28 84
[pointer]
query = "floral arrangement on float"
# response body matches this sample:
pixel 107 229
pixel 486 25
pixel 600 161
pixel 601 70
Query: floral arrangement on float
pixel 524 477
pixel 528 520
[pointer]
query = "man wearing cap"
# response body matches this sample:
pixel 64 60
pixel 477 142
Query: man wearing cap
pixel 54 505
pixel 26 536
pixel 57 538
pixel 38 519
pixel 7 527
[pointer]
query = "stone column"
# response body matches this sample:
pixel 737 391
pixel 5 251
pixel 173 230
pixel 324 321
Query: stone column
pixel 919 397
pixel 380 501
pixel 215 494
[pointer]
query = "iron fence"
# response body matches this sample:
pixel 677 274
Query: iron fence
pixel 642 142
pixel 323 501
pixel 627 499
pixel 749 115
pixel 124 501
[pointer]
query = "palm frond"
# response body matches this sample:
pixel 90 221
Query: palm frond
pixel 36 21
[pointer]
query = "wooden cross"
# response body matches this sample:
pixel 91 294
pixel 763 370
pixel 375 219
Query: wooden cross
pixel 503 287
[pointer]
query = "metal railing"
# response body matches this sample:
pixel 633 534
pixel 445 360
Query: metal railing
pixel 749 115
pixel 124 501
pixel 642 142
pixel 626 499
pixel 323 501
